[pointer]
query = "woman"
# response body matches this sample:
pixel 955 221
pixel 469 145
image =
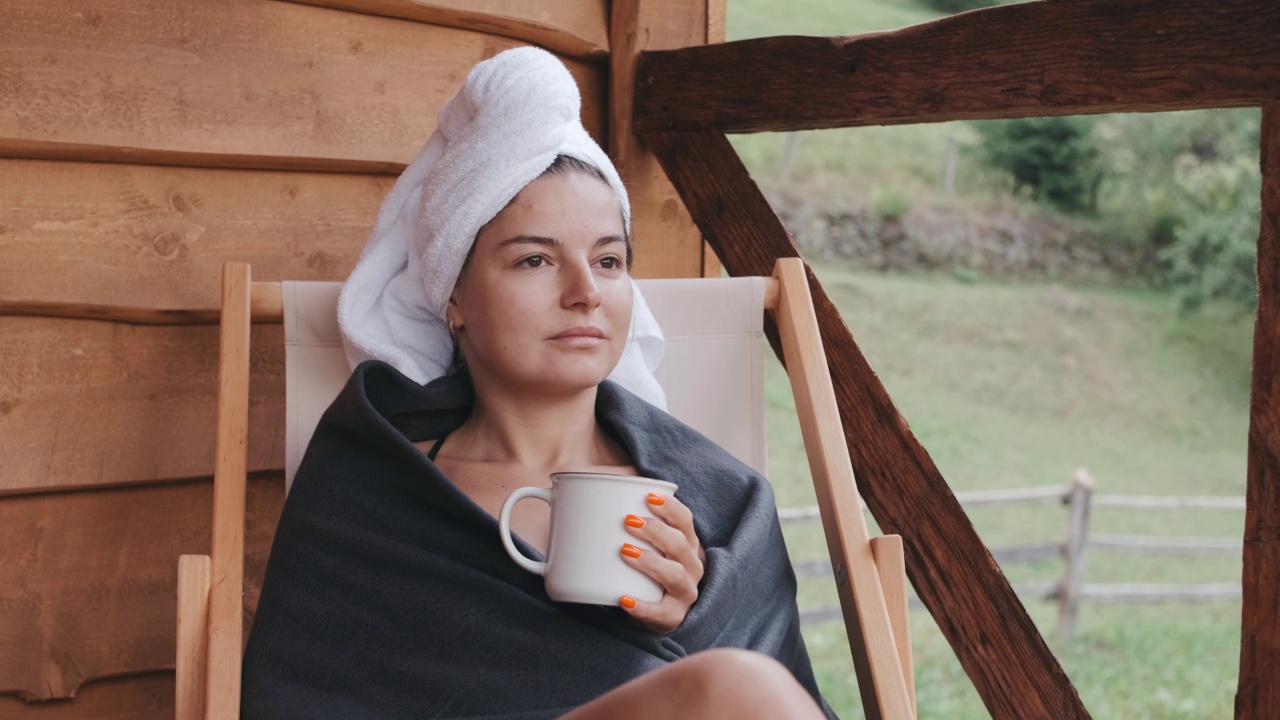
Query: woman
pixel 388 593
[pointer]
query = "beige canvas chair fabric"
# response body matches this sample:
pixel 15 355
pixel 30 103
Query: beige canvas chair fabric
pixel 712 371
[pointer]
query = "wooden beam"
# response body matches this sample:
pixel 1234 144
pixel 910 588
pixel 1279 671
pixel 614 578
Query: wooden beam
pixel 241 83
pixel 576 28
pixel 1258 693
pixel 1036 58
pixel 667 242
pixel 997 643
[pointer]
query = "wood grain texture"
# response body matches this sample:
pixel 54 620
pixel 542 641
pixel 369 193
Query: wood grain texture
pixel 862 599
pixel 1030 59
pixel 266 84
pixel 226 573
pixel 266 306
pixel 86 403
pixel 156 237
pixel 136 697
pixel 575 28
pixel 192 636
pixel 953 572
pixel 88 579
pixel 1258 692
pixel 891 562
pixel 666 240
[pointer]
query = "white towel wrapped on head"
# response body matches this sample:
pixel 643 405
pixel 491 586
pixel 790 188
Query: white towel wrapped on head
pixel 513 116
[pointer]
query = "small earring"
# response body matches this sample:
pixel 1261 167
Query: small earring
pixel 452 331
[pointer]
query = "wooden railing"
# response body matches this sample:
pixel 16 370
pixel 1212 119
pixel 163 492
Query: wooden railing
pixel 1070 590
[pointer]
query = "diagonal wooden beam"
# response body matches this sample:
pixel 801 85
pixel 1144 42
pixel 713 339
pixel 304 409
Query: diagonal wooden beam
pixel 1036 58
pixel 1258 692
pixel 1010 665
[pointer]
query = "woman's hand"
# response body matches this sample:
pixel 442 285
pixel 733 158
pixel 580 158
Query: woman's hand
pixel 677 566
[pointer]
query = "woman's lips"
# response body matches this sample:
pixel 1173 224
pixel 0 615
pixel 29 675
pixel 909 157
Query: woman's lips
pixel 583 336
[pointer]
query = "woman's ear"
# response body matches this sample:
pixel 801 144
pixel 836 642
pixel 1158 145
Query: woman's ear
pixel 453 314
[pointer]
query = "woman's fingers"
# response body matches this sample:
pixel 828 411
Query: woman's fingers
pixel 670 541
pixel 676 562
pixel 671 575
pixel 676 514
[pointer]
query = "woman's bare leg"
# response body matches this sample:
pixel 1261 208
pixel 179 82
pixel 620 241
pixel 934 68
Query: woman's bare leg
pixel 722 683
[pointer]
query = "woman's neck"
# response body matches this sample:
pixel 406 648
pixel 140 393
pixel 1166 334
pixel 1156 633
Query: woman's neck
pixel 547 433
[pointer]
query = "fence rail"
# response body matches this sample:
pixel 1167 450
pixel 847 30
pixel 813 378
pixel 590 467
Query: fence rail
pixel 1070 590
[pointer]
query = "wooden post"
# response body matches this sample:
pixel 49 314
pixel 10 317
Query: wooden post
pixel 226 599
pixel 949 168
pixel 667 242
pixel 1258 692
pixel 1073 552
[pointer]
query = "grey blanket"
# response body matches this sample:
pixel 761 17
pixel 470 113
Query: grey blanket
pixel 388 593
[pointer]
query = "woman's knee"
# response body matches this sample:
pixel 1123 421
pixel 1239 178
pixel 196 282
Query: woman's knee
pixel 730 682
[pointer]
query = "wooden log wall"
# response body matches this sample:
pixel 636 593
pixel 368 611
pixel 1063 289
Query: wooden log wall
pixel 142 144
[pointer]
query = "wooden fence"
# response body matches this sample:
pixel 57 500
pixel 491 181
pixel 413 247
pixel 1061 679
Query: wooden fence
pixel 1070 590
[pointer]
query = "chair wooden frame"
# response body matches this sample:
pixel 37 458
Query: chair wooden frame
pixel 870 572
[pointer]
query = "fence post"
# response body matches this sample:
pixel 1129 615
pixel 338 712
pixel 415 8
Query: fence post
pixel 1080 500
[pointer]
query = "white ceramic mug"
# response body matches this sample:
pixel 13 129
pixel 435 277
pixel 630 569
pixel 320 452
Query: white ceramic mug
pixel 584 562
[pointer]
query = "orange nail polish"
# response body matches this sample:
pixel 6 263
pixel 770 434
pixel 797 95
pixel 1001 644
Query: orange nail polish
pixel 656 499
pixel 635 521
pixel 631 550
pixel 627 602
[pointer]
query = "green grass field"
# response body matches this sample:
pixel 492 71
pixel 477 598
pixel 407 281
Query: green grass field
pixel 1015 385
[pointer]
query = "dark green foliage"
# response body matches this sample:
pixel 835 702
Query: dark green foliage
pixel 1051 159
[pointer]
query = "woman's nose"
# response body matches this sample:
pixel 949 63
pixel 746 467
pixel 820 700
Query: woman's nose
pixel 580 286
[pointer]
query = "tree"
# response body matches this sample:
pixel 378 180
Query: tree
pixel 1053 158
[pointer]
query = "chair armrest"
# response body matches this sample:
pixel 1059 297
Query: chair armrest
pixel 193 636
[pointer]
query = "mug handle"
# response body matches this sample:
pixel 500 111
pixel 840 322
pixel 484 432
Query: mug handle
pixel 504 527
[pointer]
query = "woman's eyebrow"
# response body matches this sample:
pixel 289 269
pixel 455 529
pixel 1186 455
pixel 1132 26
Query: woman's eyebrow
pixel 552 242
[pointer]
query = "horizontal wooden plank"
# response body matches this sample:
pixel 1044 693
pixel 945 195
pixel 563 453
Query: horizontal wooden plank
pixel 136 697
pixel 88 579
pixel 267 84
pixel 1171 502
pixel 1157 593
pixel 1028 59
pixel 1166 544
pixel 94 403
pixel 156 237
pixel 576 28
pixel 266 305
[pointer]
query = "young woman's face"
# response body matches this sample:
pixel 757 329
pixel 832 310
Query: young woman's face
pixel 544 306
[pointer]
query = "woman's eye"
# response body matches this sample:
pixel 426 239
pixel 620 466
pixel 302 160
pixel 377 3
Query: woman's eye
pixel 532 261
pixel 609 263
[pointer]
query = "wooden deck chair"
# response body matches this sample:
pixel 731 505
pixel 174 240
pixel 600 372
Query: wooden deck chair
pixel 712 374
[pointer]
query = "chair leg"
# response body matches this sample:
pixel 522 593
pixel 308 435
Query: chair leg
pixel 193 636
pixel 892 566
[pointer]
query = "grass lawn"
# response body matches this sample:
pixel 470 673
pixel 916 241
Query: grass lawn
pixel 1013 385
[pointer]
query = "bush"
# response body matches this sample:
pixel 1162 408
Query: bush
pixel 1214 250
pixel 1052 159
